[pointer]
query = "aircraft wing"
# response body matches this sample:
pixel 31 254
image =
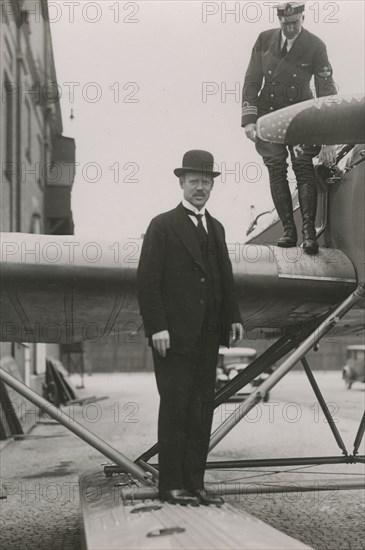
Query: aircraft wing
pixel 61 289
pixel 328 120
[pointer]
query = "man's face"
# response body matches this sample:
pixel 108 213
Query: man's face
pixel 196 188
pixel 291 29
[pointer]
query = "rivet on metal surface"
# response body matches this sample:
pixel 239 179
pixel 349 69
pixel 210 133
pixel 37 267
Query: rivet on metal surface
pixel 165 532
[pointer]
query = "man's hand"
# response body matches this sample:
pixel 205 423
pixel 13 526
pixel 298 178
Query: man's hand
pixel 236 333
pixel 161 342
pixel 250 130
pixel 327 156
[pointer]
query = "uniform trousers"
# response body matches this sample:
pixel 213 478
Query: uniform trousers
pixel 275 159
pixel 186 383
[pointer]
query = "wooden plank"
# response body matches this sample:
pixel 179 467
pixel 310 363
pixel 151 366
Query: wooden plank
pixel 111 522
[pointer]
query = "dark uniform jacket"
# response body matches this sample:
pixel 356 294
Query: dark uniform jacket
pixel 273 82
pixel 171 280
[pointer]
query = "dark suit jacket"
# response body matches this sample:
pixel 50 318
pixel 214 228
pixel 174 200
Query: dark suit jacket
pixel 286 80
pixel 171 284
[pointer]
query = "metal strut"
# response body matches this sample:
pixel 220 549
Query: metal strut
pixel 125 463
pixel 275 462
pixel 255 488
pixel 323 405
pixel 244 408
pixel 359 435
pixel 276 351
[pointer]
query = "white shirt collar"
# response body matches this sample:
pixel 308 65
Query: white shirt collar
pixel 290 41
pixel 193 208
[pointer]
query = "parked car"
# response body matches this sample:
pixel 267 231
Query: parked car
pixel 354 370
pixel 233 361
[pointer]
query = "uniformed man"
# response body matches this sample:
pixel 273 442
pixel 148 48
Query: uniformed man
pixel 282 64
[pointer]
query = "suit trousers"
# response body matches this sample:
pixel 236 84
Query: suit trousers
pixel 186 385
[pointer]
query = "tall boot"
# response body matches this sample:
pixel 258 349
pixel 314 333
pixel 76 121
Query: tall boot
pixel 281 196
pixel 307 192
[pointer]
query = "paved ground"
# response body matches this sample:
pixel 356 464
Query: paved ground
pixel 40 473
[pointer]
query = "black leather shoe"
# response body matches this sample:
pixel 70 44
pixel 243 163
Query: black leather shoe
pixel 287 242
pixel 307 192
pixel 310 246
pixel 281 196
pixel 179 496
pixel 290 236
pixel 208 498
pixel 310 243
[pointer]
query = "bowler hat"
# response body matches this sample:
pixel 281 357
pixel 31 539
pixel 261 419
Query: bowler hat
pixel 197 161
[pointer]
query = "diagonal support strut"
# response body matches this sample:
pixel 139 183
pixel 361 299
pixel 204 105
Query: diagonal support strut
pixel 323 405
pixel 359 435
pixel 274 353
pixel 107 450
pixel 244 408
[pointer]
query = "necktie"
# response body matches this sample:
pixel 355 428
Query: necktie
pixel 201 233
pixel 284 49
pixel 200 227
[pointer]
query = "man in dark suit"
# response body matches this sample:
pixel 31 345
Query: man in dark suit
pixel 188 305
pixel 282 64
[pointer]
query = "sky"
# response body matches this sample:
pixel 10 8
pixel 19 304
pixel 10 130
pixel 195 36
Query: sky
pixel 148 81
